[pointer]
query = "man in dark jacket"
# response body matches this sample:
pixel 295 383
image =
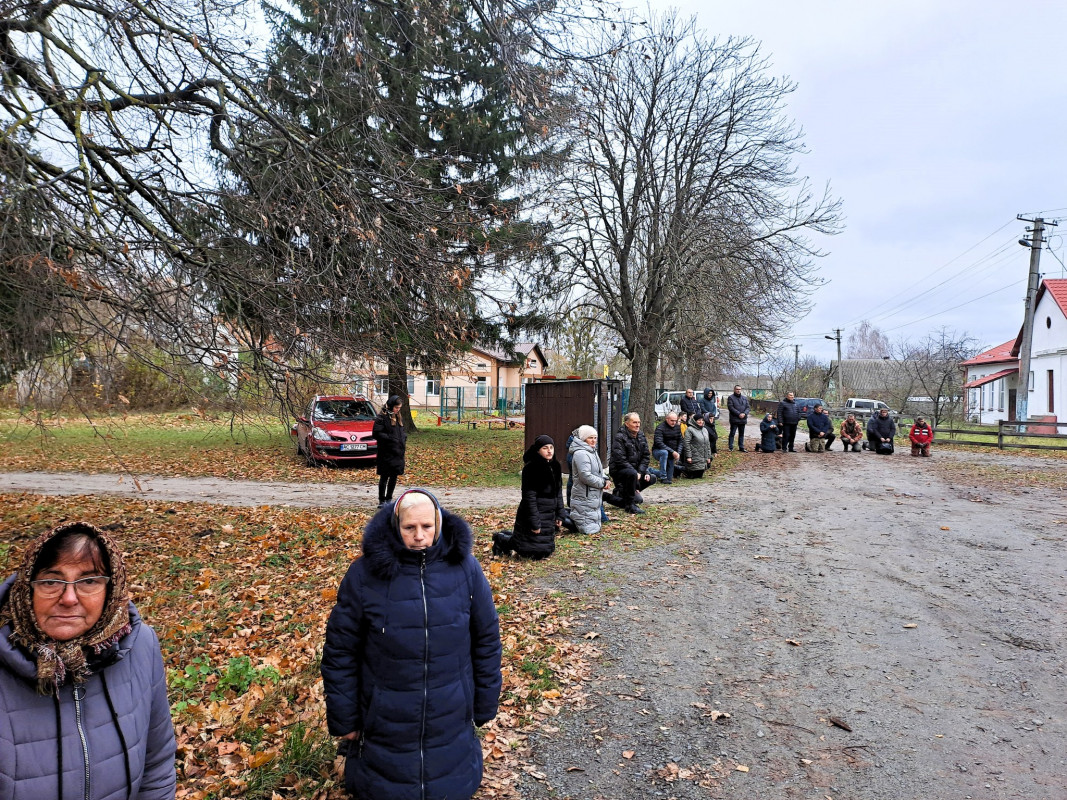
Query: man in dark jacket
pixel 788 419
pixel 689 404
pixel 628 464
pixel 880 432
pixel 737 405
pixel 667 446
pixel 820 430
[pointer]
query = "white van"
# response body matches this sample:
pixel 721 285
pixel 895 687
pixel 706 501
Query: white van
pixel 668 401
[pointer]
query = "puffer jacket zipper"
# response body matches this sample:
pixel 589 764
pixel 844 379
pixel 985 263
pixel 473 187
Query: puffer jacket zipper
pixel 425 674
pixel 79 695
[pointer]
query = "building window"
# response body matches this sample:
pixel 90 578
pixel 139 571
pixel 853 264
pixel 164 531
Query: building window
pixel 359 386
pixel 433 385
pixel 381 384
pixel 1000 394
pixel 1051 392
pixel 1030 382
pixel 482 388
pixel 411 385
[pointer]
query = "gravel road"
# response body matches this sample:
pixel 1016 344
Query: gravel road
pixel 926 617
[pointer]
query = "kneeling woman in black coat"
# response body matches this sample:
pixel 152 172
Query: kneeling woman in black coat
pixel 540 512
pixel 412 656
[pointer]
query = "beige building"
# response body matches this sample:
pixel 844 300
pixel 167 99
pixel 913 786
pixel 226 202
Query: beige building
pixel 484 378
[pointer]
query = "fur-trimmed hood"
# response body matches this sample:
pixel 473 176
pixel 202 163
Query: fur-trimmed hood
pixel 384 549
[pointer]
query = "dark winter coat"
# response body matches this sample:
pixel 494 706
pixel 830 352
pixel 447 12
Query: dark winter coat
pixel 392 443
pixel 412 661
pixel 819 422
pixel 540 507
pixel 707 403
pixel 882 428
pixel 737 404
pixel 666 437
pixel 690 405
pixel 31 736
pixel 768 435
pixel 630 451
pixel 788 412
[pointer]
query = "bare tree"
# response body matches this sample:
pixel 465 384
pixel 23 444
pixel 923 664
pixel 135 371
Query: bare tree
pixel 867 341
pixel 933 365
pixel 807 378
pixel 682 209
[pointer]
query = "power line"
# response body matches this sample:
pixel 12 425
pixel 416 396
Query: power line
pixel 948 263
pixel 1014 284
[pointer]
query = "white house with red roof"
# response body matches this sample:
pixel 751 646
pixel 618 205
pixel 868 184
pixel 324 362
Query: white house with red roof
pixel 992 378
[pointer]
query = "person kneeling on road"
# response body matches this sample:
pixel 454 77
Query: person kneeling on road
pixel 921 436
pixel 629 463
pixel 851 434
pixel 820 431
pixel 768 429
pixel 880 432
pixel 696 452
pixel 540 514
pixel 667 447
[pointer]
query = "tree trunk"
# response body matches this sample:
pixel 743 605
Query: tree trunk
pixel 398 385
pixel 643 386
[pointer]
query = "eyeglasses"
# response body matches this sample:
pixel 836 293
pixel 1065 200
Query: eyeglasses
pixel 83 587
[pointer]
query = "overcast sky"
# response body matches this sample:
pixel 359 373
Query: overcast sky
pixel 936 123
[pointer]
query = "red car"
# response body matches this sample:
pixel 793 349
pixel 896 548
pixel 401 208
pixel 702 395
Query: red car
pixel 337 429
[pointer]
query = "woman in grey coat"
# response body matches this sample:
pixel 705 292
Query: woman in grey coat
pixel 83 697
pixel 696 447
pixel 590 482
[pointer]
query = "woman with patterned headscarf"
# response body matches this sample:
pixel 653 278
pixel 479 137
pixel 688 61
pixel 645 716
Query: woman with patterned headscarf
pixel 83 697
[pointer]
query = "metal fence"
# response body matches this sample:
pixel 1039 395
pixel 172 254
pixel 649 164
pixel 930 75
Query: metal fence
pixel 463 402
pixel 1010 435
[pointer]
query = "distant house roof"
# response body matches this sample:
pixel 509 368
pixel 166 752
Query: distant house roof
pixel 1001 354
pixel 523 348
pixel 990 378
pixel 868 377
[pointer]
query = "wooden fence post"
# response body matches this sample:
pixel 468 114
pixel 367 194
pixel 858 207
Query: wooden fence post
pixel 1000 434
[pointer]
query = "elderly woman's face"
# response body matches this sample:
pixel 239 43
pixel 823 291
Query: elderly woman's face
pixel 418 525
pixel 69 614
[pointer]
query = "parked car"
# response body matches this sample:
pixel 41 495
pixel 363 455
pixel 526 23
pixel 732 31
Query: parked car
pixel 667 402
pixel 863 408
pixel 805 405
pixel 336 429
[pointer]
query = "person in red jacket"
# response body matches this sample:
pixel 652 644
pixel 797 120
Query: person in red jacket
pixel 921 435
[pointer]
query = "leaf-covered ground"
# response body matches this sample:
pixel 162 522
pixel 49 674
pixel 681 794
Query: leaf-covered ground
pixel 188 444
pixel 240 599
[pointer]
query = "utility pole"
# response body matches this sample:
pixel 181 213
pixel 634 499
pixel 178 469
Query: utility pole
pixel 840 370
pixel 796 364
pixel 1022 392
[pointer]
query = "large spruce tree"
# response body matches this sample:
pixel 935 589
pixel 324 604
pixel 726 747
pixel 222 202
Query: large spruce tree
pixel 419 236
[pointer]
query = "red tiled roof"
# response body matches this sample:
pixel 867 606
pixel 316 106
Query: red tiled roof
pixel 989 378
pixel 1057 287
pixel 1000 353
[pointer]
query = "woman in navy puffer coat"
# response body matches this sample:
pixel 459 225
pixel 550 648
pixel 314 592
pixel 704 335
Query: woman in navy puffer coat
pixel 412 657
pixel 83 697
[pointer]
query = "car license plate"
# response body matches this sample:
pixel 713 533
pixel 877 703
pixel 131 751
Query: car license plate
pixel 357 446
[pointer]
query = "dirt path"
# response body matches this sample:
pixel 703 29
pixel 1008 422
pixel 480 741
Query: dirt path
pixel 927 617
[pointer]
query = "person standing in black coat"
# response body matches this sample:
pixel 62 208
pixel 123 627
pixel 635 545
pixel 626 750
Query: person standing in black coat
pixel 738 406
pixel 540 512
pixel 411 662
pixel 788 419
pixel 628 464
pixel 392 439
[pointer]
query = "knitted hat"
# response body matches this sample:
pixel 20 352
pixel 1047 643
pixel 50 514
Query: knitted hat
pixel 542 440
pixel 585 431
